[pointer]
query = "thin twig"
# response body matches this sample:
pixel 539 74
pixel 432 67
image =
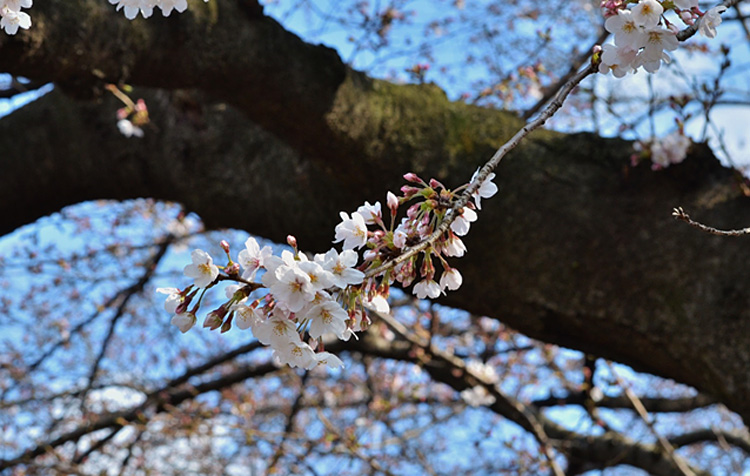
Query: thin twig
pixel 680 214
pixel 487 168
pixel 641 410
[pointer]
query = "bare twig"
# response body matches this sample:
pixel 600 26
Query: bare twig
pixel 681 215
pixel 487 168
pixel 641 410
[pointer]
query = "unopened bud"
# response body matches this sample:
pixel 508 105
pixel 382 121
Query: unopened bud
pixel 409 191
pixel 412 177
pixel 292 241
pixel 224 246
pixel 233 269
pixel 435 184
pixel 392 201
pixel 213 321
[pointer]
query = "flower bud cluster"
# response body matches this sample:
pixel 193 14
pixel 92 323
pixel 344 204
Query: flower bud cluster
pixel 643 35
pixel 308 298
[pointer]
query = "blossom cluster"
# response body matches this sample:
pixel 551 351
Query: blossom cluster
pixel 12 18
pixel 307 298
pixel 131 8
pixel 671 149
pixel 643 35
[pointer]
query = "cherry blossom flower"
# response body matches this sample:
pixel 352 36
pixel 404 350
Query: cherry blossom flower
pixel 341 267
pixel 453 246
pixel 16 5
pixel 427 288
pixel 451 279
pixel 296 354
pixel 623 26
pixel 371 213
pixel 12 20
pixel 320 278
pixel 352 231
pixel 132 7
pixel 174 299
pixel 252 258
pixel 477 396
pixel 379 304
pixel 486 190
pixel 710 20
pixel 246 317
pixel 327 359
pixel 203 271
pixel 656 41
pixel 646 14
pixel 184 321
pixel 168 5
pixel 461 224
pixel 128 129
pixel 619 60
pixel 276 331
pixel 327 317
pixel 672 149
pixel 292 287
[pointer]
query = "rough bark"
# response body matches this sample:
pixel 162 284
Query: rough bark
pixel 276 136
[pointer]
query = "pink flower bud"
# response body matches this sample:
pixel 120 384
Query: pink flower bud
pixel 224 246
pixel 140 105
pixel 291 241
pixel 412 177
pixel 409 191
pixel 392 201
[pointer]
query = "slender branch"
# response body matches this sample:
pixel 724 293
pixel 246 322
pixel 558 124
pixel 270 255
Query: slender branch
pixel 641 410
pixel 455 211
pixel 652 405
pixel 680 214
pixel 289 427
pixel 738 439
pixel 693 29
pixel 550 91
pixel 514 410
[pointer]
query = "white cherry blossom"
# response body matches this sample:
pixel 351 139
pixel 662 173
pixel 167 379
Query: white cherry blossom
pixel 352 231
pixel 371 213
pixel 252 258
pixel 461 224
pixel 203 271
pixel 647 13
pixel 623 26
pixel 341 267
pixel 327 317
pixel 451 279
pixel 184 321
pixel 11 20
pixel 486 190
pixel 477 396
pixel 427 288
pixel 174 299
pixel 710 20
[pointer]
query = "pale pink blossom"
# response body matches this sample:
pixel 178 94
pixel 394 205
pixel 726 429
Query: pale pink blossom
pixel 352 231
pixel 203 271
pixel 184 321
pixel 252 258
pixel 427 288
pixel 710 20
pixel 647 13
